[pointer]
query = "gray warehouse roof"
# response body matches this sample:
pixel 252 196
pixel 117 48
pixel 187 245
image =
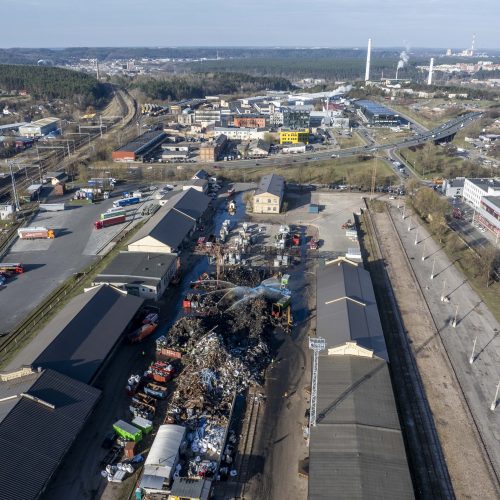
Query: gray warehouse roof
pixel 357 450
pixel 79 339
pixel 168 226
pixel 142 142
pixel 138 267
pixel 346 308
pixel 38 430
pixel 272 183
pixel 190 202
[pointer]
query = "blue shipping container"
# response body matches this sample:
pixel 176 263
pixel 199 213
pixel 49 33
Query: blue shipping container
pixel 313 209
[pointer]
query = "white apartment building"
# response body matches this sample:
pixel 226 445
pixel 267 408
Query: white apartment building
pixel 475 189
pixel 240 133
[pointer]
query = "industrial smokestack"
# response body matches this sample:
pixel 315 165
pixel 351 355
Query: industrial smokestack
pixel 431 67
pixel 368 57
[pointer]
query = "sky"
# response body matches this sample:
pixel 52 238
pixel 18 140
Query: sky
pixel 304 23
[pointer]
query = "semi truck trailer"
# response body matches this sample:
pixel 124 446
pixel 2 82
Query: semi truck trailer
pixel 35 233
pixel 117 219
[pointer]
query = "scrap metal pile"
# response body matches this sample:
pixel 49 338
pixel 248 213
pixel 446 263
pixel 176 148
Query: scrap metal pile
pixel 222 355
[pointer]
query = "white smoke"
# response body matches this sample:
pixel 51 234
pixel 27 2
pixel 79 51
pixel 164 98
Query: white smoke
pixel 403 59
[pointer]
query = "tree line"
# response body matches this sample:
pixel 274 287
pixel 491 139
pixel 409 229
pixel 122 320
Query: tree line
pixel 198 85
pixel 43 82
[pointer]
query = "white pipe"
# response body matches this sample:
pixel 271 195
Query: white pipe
pixel 368 58
pixel 431 68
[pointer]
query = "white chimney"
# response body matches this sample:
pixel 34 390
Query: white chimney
pixel 431 67
pixel 368 56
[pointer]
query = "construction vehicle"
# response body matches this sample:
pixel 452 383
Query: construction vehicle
pixel 281 313
pixel 36 233
pixel 111 221
pixel 312 244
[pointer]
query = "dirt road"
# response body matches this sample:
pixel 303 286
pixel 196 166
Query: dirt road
pixel 470 473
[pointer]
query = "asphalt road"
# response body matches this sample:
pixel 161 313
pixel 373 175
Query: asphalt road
pixel 436 134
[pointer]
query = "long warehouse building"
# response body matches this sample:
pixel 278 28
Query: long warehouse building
pixel 139 147
pixel 356 448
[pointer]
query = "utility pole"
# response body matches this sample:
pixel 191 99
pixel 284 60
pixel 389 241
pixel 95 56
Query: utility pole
pixel 471 359
pixel 317 345
pixel 374 179
pixel 454 322
pixel 14 190
pixel 495 399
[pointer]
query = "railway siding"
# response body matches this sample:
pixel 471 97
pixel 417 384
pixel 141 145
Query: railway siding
pixel 470 467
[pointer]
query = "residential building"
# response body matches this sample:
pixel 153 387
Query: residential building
pixel 452 188
pixel 356 448
pixel 140 146
pixel 40 128
pixel 296 117
pixel 249 121
pixel 146 275
pixel 488 214
pixel 211 151
pixel 475 189
pixel 276 119
pixel 294 136
pixel 240 134
pixel 268 197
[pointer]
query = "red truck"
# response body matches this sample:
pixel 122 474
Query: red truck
pixel 99 224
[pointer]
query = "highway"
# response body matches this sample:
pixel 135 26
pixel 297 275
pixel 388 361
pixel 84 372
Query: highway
pixel 435 134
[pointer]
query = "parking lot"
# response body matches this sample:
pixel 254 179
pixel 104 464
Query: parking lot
pixel 48 263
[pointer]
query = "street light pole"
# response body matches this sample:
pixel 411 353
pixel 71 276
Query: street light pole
pixel 416 237
pixel 495 399
pixel 442 291
pixel 409 224
pixel 433 266
pixel 471 359
pixel 423 252
pixel 404 208
pixel 454 322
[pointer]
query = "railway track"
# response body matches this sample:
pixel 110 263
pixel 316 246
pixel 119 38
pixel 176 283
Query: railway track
pixel 428 467
pixel 470 413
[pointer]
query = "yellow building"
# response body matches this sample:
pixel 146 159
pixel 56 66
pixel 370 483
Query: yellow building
pixel 294 136
pixel 268 197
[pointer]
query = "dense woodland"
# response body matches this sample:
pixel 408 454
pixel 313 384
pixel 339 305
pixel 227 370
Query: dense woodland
pixel 203 84
pixel 43 82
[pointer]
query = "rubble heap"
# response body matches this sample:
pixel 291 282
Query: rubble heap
pixel 224 354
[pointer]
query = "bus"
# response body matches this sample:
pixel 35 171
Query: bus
pixel 11 267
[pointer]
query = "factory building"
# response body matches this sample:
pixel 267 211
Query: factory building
pixel 240 134
pixel 356 448
pixel 249 121
pixel 211 151
pixel 268 197
pixel 294 136
pixel 207 116
pixel 377 115
pixel 39 128
pixel 139 147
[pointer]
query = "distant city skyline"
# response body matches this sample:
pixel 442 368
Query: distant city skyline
pixel 290 23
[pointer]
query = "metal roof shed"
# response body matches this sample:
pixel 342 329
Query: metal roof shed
pixel 164 452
